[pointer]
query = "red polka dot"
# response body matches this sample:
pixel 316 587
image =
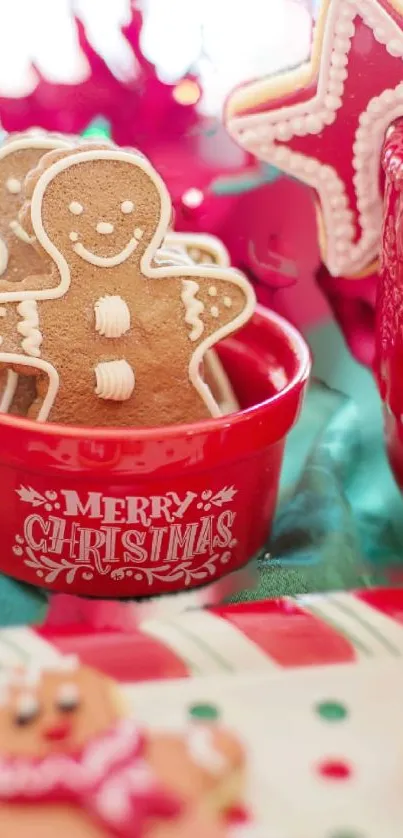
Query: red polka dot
pixel 335 769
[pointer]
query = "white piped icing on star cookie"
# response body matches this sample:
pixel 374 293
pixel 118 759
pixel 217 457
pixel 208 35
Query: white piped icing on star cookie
pixel 194 308
pixel 262 133
pixel 115 380
pixel 112 316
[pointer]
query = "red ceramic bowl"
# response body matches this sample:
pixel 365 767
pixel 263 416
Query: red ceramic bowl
pixel 129 513
pixel 389 304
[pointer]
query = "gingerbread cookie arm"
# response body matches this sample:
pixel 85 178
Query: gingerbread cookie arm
pixel 10 292
pixel 216 305
pixel 34 365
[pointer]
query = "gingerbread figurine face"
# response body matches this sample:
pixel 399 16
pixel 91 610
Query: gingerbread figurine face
pixel 139 329
pixel 56 711
pixel 19 154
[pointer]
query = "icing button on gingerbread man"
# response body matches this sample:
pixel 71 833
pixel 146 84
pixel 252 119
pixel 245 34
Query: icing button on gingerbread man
pixel 110 324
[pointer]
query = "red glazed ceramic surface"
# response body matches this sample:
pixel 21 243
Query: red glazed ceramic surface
pixel 133 513
pixel 389 326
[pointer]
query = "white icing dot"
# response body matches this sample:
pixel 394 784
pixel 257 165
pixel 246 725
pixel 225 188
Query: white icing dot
pixel 73 236
pixel 227 302
pixel 138 233
pixel 104 228
pixel 395 48
pixel 333 102
pixel 214 311
pixel 298 126
pixel 314 123
pixel 283 131
pixel 13 185
pixel 339 60
pixel 127 207
pixel 282 155
pixel 76 208
pixel 328 117
pixel 212 291
pixel 311 166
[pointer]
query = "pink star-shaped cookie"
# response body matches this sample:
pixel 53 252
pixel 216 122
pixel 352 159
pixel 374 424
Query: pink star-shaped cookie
pixel 325 123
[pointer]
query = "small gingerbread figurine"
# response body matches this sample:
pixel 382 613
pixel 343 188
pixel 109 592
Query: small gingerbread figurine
pixel 71 765
pixel 108 323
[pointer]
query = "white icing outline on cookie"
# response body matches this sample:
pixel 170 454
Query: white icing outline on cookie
pixel 194 308
pixel 106 261
pixel 28 327
pixel 19 231
pixel 43 366
pixel 9 391
pixel 210 244
pixel 149 271
pixel 3 256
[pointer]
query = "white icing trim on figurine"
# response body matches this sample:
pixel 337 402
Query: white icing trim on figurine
pixel 225 395
pixel 13 185
pixel 260 132
pixel 42 366
pixel 115 380
pixel 21 234
pixel 194 308
pixel 8 393
pixel 202 241
pixel 106 261
pixel 3 256
pixel 112 316
pixel 28 328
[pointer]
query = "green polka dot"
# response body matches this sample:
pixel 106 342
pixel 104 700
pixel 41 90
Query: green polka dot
pixel 332 711
pixel 205 712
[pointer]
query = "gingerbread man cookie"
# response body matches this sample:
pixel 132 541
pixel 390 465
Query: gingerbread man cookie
pixel 18 259
pixel 125 334
pixel 18 155
pixel 71 765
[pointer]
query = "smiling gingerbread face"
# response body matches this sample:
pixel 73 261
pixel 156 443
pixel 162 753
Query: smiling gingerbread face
pixel 60 711
pixel 103 214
